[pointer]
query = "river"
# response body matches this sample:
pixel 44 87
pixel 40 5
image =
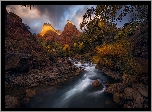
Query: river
pixel 78 93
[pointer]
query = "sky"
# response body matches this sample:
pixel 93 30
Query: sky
pixel 56 15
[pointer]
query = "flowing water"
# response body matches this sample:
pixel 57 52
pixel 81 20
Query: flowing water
pixel 79 93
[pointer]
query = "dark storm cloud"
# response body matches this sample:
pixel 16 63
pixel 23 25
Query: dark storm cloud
pixel 55 13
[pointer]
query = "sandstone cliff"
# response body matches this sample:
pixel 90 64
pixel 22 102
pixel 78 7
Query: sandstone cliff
pixel 70 30
pixel 48 33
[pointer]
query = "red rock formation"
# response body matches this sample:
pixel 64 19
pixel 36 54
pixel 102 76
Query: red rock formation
pixel 69 31
pixel 49 33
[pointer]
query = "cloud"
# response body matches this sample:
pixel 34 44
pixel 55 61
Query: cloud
pixel 56 15
pixel 29 17
pixel 77 16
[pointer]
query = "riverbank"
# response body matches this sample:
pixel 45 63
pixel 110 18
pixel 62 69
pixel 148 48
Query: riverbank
pixel 129 91
pixel 25 85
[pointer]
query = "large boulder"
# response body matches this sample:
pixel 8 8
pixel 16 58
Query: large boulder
pixel 131 93
pixel 143 90
pixel 96 83
pixel 11 102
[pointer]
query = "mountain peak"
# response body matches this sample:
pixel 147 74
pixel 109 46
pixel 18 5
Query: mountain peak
pixel 68 21
pixel 70 30
pixel 48 27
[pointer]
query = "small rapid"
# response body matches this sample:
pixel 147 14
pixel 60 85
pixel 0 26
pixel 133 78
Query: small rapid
pixel 77 94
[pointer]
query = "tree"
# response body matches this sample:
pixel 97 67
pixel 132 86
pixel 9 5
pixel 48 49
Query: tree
pixel 108 13
pixel 116 50
pixel 102 27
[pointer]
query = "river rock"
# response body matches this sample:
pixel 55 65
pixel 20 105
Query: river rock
pixel 143 90
pixel 115 88
pixel 76 62
pixel 117 97
pixel 11 102
pixel 30 93
pixel 107 84
pixel 130 93
pixel 96 83
pixel 111 73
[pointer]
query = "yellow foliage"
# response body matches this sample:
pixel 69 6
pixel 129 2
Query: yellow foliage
pixel 100 24
pixel 95 59
pixel 48 47
pixel 75 44
pixel 119 49
pixel 66 47
pixel 106 62
pixel 79 45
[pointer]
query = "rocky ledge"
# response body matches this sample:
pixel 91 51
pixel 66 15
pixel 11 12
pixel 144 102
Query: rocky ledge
pixel 135 96
pixel 129 92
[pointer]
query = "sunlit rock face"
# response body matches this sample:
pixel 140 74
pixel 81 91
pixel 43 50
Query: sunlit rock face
pixel 49 33
pixel 47 27
pixel 58 32
pixel 70 31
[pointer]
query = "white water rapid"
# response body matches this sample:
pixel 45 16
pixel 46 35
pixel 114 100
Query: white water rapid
pixel 82 84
